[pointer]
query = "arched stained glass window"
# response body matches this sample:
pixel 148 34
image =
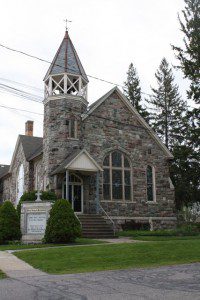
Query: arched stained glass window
pixel 117 177
pixel 20 183
pixel 150 183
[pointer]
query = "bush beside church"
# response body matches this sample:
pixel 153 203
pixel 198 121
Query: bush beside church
pixel 9 223
pixel 62 225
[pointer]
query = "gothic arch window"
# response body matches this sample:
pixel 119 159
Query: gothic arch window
pixel 20 183
pixel 150 174
pixel 117 177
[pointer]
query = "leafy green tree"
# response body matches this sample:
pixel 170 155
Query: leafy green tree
pixel 132 91
pixel 62 225
pixel 167 120
pixel 189 56
pixel 9 223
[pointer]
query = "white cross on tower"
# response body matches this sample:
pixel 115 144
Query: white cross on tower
pixel 38 194
pixel 66 21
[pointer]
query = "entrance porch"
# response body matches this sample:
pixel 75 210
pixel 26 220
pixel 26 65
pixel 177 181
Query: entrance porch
pixel 77 180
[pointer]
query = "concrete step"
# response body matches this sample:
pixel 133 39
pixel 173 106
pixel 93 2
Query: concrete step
pixel 95 226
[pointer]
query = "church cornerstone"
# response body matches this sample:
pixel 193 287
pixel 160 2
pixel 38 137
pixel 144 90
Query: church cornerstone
pixel 34 216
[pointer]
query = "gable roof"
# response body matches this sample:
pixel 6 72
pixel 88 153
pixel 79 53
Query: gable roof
pixel 97 103
pixel 75 159
pixel 30 145
pixel 4 169
pixel 66 60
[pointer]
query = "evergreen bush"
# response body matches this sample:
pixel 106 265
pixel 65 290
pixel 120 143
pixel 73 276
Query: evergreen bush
pixel 9 223
pixel 62 225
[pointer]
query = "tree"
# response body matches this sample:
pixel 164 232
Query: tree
pixel 9 223
pixel 189 57
pixel 185 172
pixel 132 91
pixel 169 107
pixel 62 225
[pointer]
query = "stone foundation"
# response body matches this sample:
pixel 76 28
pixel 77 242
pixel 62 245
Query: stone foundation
pixel 154 223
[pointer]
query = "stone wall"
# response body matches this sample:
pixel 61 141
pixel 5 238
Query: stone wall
pixel 102 136
pixel 57 144
pixel 6 188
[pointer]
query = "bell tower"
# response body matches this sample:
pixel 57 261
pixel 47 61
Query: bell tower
pixel 65 99
pixel 66 74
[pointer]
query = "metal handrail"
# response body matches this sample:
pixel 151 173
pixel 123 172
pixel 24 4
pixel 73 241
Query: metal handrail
pixel 111 220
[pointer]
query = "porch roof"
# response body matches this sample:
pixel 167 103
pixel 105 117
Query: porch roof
pixel 79 160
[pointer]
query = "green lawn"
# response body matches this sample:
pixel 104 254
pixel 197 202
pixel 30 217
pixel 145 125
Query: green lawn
pixel 79 241
pixel 165 238
pixel 2 275
pixel 112 256
pixel 160 235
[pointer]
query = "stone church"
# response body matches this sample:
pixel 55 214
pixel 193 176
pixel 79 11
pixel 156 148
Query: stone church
pixel 104 158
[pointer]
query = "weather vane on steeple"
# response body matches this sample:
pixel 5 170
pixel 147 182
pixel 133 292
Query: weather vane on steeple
pixel 66 21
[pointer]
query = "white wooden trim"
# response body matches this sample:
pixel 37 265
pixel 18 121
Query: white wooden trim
pixel 89 156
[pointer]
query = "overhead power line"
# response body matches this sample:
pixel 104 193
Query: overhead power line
pixel 49 62
pixel 22 84
pixel 20 93
pixel 35 98
pixel 19 109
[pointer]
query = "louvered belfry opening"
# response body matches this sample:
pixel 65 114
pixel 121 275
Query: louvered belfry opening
pixel 66 74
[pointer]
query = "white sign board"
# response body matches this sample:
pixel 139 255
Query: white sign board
pixel 36 223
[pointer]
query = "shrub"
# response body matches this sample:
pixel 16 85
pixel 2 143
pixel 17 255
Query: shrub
pixel 9 223
pixel 31 196
pixel 62 225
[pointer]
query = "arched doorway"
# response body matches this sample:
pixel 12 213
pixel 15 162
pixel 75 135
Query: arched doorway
pixel 75 192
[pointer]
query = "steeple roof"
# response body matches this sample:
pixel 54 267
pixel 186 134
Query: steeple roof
pixel 66 60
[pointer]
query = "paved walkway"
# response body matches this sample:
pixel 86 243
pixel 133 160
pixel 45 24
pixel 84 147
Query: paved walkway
pixel 121 240
pixel 166 283
pixel 15 267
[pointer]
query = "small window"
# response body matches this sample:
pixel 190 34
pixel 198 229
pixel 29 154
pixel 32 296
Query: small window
pixel 149 151
pixel 150 184
pixel 72 129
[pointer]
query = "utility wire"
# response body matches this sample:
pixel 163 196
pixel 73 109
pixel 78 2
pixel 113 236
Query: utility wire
pixel 22 84
pixel 19 109
pixel 35 98
pixel 85 113
pixel 46 61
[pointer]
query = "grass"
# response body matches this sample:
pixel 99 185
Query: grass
pixel 165 238
pixel 2 275
pixel 112 256
pixel 159 235
pixel 79 241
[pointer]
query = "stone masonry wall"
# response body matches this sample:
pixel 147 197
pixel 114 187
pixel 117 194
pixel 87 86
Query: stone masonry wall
pixel 6 188
pixel 102 136
pixel 57 144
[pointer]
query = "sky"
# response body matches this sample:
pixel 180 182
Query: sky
pixel 107 34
